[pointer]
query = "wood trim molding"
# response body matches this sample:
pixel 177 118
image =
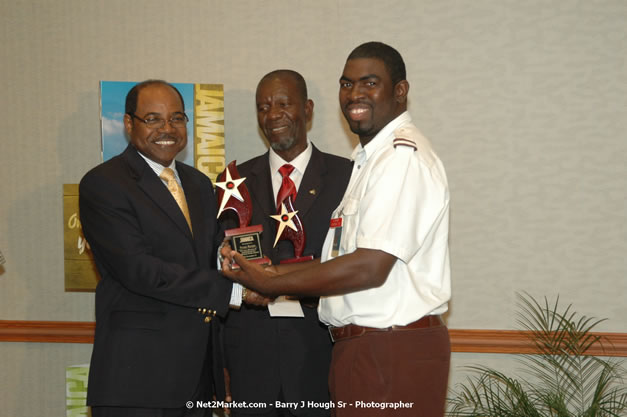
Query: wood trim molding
pixel 462 340
pixel 516 341
pixel 47 331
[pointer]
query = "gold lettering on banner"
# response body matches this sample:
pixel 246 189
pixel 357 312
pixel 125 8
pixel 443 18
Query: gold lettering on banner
pixel 76 390
pixel 80 270
pixel 74 221
pixel 209 155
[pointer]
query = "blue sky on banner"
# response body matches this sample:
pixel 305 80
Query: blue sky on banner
pixel 112 98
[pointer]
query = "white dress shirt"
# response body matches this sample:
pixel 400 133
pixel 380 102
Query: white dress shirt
pixel 299 163
pixel 397 201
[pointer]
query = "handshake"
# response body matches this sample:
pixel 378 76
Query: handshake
pixel 264 283
pixel 250 275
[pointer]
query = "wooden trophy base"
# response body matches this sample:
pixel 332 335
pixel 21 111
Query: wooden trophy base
pixel 297 259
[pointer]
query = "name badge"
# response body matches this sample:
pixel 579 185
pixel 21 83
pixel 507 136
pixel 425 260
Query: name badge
pixel 336 226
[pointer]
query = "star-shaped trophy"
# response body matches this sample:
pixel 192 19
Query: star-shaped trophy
pixel 291 228
pixel 233 195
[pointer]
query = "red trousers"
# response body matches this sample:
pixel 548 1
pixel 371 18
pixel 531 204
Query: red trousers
pixel 395 373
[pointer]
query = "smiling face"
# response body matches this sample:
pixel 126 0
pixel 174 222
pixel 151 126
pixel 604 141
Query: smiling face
pixel 283 113
pixel 368 98
pixel 163 144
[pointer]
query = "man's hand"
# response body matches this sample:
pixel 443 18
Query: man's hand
pixel 250 275
pixel 254 298
pixel 224 250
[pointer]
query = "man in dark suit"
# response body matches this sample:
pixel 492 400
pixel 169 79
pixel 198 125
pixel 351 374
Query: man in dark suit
pixel 285 359
pixel 159 289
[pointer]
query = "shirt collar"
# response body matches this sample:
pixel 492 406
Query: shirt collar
pixel 299 163
pixel 158 168
pixel 380 138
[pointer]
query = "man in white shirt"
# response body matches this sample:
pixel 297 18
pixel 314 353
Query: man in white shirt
pixel 385 264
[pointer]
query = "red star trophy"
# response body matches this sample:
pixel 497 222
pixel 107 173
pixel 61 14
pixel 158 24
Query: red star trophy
pixel 233 195
pixel 291 228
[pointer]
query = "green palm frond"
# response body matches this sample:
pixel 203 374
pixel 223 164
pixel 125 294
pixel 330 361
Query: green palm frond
pixel 562 380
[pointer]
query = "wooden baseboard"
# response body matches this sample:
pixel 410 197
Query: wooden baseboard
pixel 462 340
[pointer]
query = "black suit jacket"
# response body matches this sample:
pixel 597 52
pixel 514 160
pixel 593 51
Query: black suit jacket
pixel 151 341
pixel 266 355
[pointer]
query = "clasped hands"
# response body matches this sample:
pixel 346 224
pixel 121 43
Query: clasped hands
pixel 252 276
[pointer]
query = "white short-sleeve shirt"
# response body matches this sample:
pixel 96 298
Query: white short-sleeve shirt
pixel 397 201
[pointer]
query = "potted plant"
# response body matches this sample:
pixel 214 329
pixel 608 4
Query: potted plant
pixel 561 380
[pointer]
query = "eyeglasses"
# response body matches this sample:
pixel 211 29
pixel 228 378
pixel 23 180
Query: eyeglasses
pixel 178 121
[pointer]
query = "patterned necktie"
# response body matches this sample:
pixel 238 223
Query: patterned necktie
pixel 287 185
pixel 177 193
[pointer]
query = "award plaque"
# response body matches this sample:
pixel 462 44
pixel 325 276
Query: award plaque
pixel 233 195
pixel 291 228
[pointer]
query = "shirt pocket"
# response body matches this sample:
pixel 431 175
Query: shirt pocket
pixel 350 223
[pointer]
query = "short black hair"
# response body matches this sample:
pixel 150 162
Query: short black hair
pixel 300 81
pixel 391 58
pixel 133 94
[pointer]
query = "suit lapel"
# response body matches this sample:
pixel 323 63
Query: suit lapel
pixel 259 185
pixel 311 184
pixel 154 188
pixel 197 213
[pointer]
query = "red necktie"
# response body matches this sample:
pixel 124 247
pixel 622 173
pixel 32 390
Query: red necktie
pixel 287 185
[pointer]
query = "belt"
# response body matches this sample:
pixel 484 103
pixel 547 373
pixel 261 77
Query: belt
pixel 353 330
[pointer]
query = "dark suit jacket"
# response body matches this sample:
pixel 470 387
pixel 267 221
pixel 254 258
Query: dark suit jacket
pixel 266 355
pixel 151 340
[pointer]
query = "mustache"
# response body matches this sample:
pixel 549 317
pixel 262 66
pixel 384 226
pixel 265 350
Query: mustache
pixel 359 101
pixel 166 136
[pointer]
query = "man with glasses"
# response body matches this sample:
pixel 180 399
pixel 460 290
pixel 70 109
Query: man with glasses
pixel 151 224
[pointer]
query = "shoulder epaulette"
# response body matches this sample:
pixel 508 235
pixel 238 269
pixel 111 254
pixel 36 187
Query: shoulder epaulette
pixel 399 141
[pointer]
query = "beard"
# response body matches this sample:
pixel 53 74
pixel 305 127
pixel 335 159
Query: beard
pixel 361 128
pixel 283 144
